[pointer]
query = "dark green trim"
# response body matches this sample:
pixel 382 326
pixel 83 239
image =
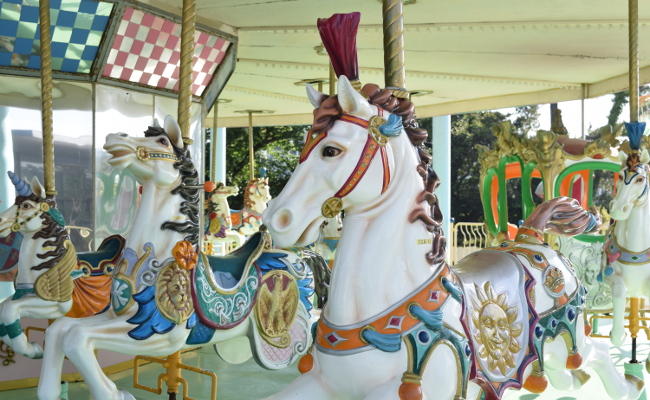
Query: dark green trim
pixel 13 329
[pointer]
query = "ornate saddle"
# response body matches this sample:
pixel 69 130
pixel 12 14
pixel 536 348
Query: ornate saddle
pixel 95 263
pixel 225 288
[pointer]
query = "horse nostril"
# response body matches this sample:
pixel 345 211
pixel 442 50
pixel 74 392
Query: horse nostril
pixel 282 220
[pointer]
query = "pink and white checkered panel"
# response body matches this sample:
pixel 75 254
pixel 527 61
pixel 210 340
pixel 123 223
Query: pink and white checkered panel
pixel 146 50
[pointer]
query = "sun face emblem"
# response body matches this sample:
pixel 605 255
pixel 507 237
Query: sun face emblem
pixel 496 328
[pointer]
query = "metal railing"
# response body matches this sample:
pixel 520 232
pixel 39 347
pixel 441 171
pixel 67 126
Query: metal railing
pixel 467 237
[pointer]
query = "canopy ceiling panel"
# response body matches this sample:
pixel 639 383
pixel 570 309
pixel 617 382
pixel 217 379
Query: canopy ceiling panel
pixel 473 54
pixel 125 43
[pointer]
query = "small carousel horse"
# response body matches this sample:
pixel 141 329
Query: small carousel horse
pixel 256 195
pixel 165 297
pixel 399 322
pixel 219 230
pixel 52 280
pixel 628 247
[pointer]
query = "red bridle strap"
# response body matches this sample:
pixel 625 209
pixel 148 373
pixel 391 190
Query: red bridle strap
pixel 334 204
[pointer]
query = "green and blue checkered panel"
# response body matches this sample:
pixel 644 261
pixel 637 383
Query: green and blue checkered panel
pixel 77 29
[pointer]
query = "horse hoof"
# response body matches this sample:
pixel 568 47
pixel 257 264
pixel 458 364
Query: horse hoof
pixel 37 351
pixel 124 395
pixel 617 337
pixel 580 377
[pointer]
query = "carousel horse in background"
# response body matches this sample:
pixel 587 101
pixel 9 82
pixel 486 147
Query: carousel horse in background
pixel 165 296
pixel 219 229
pixel 628 247
pixel 399 322
pixel 256 195
pixel 328 239
pixel 51 279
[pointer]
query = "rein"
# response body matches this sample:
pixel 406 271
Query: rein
pixel 376 142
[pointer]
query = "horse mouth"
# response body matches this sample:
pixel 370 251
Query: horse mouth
pixel 118 153
pixel 310 234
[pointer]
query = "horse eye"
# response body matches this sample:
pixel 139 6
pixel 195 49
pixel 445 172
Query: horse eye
pixel 163 141
pixel 330 151
pixel 26 205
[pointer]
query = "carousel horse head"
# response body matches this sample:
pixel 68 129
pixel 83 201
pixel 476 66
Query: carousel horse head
pixel 223 191
pixel 347 160
pixel 257 194
pixel 152 157
pixel 32 216
pixel 632 189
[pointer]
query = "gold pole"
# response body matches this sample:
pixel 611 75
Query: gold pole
pixel 332 84
pixel 46 99
pixel 394 72
pixel 185 75
pixel 213 142
pixel 633 31
pixel 251 150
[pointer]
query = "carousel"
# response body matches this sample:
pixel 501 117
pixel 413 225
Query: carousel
pixel 126 275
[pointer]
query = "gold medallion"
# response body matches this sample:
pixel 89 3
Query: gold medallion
pixel 373 128
pixel 141 153
pixel 15 227
pixel 44 207
pixel 276 307
pixel 173 293
pixel 332 207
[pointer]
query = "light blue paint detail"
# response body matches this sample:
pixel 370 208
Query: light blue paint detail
pixel 392 127
pixel 7 194
pixel 6 290
pixel 432 319
pixel 441 163
pixel 388 342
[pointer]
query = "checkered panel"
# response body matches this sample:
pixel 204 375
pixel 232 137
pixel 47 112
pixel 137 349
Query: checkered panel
pixel 78 26
pixel 146 50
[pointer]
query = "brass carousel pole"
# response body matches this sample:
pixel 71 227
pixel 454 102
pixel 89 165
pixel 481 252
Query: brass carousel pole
pixel 251 149
pixel 394 72
pixel 213 142
pixel 46 99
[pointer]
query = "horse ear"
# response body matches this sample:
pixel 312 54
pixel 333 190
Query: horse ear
pixel 37 188
pixel 173 131
pixel 622 157
pixel 315 97
pixel 645 157
pixel 351 101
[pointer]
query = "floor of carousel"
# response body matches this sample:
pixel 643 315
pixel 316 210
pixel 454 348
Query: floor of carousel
pixel 248 381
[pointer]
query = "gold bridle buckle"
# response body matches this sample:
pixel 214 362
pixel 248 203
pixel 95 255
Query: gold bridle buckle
pixel 373 129
pixel 332 207
pixel 141 153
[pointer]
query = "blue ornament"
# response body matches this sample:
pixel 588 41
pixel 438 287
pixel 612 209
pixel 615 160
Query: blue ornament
pixel 635 133
pixel 423 336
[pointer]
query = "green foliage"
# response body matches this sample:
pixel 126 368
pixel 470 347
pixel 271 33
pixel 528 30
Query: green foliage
pixel 526 119
pixel 276 149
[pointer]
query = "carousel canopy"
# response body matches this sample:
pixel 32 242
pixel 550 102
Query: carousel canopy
pixel 121 43
pixel 461 56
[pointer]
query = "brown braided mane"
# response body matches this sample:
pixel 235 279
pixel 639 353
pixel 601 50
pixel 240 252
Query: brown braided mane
pixel 329 111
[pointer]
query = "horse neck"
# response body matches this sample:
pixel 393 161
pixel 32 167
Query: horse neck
pixel 634 232
pixel 157 206
pixel 378 261
pixel 29 250
pixel 257 204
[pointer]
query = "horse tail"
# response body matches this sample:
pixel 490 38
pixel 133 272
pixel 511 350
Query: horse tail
pixel 562 216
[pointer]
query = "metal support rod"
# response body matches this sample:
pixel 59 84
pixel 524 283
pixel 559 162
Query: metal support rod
pixel 46 98
pixel 213 142
pixel 393 21
pixel 633 31
pixel 251 149
pixel 332 84
pixel 185 75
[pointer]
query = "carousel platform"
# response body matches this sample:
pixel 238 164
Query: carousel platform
pixel 248 381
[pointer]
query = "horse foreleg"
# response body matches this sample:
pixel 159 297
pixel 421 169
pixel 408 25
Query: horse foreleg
pixel 112 334
pixel 597 357
pixel 618 299
pixel 49 383
pixel 33 307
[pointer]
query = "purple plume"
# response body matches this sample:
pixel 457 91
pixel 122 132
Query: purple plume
pixel 22 187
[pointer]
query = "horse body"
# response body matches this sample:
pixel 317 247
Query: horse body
pixel 628 248
pixel 219 229
pixel 399 323
pixel 50 281
pixel 165 297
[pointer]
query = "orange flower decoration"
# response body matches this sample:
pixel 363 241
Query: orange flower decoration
pixel 185 255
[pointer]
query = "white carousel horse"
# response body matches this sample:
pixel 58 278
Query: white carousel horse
pixel 165 297
pixel 219 229
pixel 51 279
pixel 256 196
pixel 399 323
pixel 628 248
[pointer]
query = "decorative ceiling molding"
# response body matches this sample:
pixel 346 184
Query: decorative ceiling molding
pixel 478 26
pixel 413 73
pixel 264 93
